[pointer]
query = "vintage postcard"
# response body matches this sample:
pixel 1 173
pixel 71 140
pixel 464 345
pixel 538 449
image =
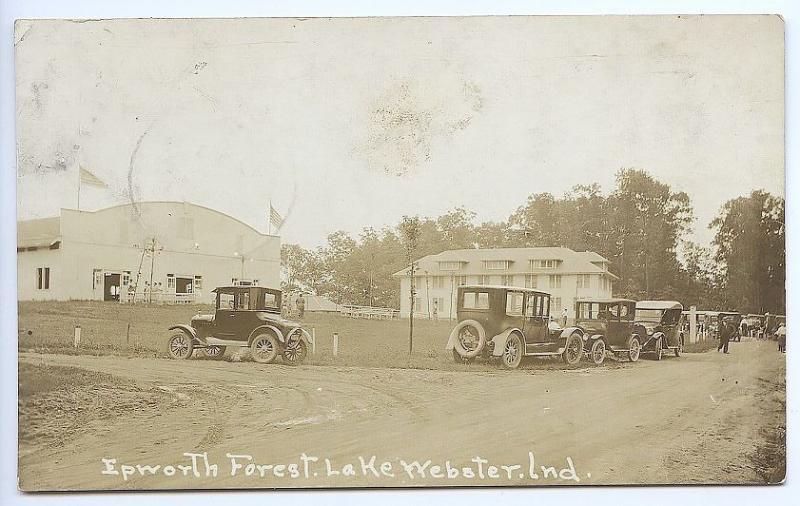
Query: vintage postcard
pixel 400 252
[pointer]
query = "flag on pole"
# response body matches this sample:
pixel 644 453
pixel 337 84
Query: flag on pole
pixel 90 179
pixel 275 219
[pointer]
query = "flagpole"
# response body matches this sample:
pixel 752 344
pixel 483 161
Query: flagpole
pixel 79 186
pixel 269 219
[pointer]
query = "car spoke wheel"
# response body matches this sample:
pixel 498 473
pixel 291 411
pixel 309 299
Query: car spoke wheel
pixel 598 352
pixel 214 351
pixel 264 348
pixel 512 352
pixel 296 349
pixel 658 349
pixel 180 346
pixel 634 350
pixel 469 339
pixel 573 350
pixel 679 349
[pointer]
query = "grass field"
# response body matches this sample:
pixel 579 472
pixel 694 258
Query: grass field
pixel 112 328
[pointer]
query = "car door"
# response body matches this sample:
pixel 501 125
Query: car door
pixel 618 324
pixel 537 311
pixel 225 315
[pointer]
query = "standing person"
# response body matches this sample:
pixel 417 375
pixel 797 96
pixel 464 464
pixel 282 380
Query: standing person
pixel 781 333
pixel 435 309
pixel 301 305
pixel 743 328
pixel 725 332
pixel 564 315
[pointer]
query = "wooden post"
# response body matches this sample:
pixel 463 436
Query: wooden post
pixel 335 344
pixel 692 324
pixel 313 341
pixel 76 342
pixel 128 334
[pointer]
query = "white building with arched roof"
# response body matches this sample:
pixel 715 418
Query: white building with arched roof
pixel 185 249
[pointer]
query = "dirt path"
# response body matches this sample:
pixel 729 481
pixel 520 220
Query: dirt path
pixel 697 418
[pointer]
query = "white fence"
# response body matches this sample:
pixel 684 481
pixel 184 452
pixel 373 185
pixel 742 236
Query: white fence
pixel 378 313
pixel 158 298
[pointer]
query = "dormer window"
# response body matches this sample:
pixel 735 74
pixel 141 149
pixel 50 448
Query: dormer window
pixel 451 265
pixel 545 264
pixel 497 265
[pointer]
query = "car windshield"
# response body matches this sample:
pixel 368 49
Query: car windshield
pixel 649 315
pixel 601 311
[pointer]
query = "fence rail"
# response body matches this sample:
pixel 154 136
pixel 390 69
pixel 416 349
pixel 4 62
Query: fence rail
pixel 370 312
pixel 158 298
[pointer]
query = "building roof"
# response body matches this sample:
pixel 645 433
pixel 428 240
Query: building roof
pixel 504 287
pixel 472 260
pixel 38 233
pixel 607 300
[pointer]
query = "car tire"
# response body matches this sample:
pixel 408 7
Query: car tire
pixel 214 352
pixel 180 346
pixel 458 359
pixel 657 350
pixel 264 348
pixel 476 328
pixel 513 351
pixel 573 349
pixel 295 352
pixel 597 354
pixel 679 348
pixel 634 349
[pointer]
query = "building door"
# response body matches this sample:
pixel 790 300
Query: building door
pixel 111 286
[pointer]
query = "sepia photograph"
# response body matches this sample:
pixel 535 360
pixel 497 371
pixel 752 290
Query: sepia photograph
pixel 400 252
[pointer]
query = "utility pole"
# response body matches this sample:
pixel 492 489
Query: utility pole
pixel 152 264
pixel 410 229
pixel 411 312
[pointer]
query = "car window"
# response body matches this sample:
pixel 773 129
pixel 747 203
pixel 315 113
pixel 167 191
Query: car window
pixel 624 312
pixel 530 308
pixel 243 301
pixel 613 310
pixel 475 300
pixel 514 303
pixel 225 301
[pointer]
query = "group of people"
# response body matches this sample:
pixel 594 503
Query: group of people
pixel 728 331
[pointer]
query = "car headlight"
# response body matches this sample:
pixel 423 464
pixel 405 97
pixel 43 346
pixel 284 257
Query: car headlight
pixel 585 337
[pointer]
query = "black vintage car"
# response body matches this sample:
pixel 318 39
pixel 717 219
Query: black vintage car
pixel 510 323
pixel 245 316
pixel 663 326
pixel 607 325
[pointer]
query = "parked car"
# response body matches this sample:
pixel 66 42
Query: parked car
pixel 245 317
pixel 509 323
pixel 663 326
pixel 607 326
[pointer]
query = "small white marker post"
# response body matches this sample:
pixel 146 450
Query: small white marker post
pixel 77 340
pixel 313 341
pixel 335 343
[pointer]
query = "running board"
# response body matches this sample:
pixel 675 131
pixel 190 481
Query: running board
pixel 213 341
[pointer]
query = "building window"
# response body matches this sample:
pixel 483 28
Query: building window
pixel 43 278
pixel 450 266
pixel 198 282
pixel 170 281
pixel 555 281
pixel 584 280
pixel 484 280
pixel 234 281
pixel 417 304
pixel 97 278
pixel 437 282
pixel 496 265
pixel 461 280
pixel 545 264
pixel 507 280
pixel 555 305
pixel 531 281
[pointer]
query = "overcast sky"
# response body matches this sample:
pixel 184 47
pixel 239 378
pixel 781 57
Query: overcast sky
pixel 351 123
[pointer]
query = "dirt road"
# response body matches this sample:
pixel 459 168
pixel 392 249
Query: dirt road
pixel 697 418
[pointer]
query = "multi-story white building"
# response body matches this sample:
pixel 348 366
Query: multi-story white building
pixel 563 273
pixel 167 251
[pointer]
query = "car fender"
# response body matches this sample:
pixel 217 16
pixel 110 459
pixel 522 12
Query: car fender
pixel 273 329
pixel 186 329
pixel 656 336
pixel 562 339
pixel 304 335
pixel 588 340
pixel 499 341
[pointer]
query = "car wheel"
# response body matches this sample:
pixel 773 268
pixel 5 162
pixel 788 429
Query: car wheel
pixel 215 352
pixel 180 346
pixel 679 348
pixel 657 350
pixel 458 359
pixel 264 348
pixel 634 349
pixel 470 339
pixel 295 352
pixel 573 349
pixel 598 352
pixel 512 351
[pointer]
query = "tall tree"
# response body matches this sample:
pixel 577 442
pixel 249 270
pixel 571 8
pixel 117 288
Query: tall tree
pixel 750 242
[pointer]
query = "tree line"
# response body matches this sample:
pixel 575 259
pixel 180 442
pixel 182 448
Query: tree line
pixel 641 227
